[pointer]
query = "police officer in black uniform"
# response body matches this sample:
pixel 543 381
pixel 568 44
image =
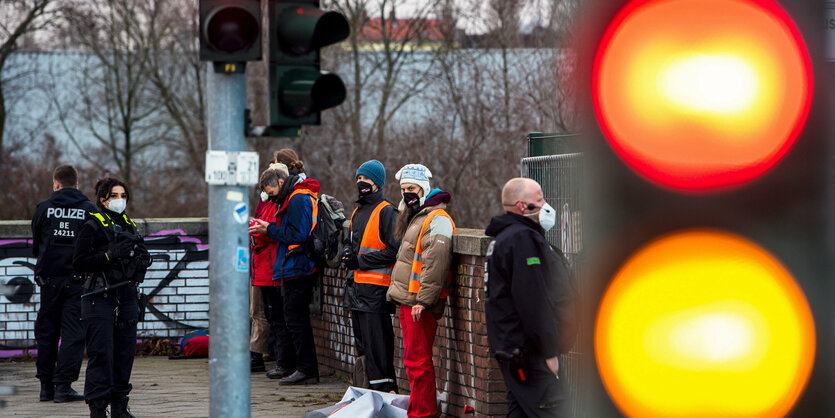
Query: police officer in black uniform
pixel 530 315
pixel 55 226
pixel 111 257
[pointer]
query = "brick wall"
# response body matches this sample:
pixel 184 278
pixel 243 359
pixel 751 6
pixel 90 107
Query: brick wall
pixel 466 374
pixel 177 281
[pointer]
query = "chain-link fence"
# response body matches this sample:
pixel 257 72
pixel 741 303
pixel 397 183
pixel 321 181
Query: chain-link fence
pixel 561 178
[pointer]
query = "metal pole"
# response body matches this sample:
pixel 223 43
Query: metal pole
pixel 229 392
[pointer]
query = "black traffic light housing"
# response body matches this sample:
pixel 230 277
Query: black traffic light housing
pixel 230 33
pixel 784 210
pixel 298 89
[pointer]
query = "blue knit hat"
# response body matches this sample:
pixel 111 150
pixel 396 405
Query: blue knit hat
pixel 374 170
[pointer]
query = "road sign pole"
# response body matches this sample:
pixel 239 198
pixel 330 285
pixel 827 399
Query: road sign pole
pixel 229 391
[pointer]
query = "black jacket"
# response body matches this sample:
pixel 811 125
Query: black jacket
pixel 529 296
pixel 363 296
pixel 92 244
pixel 55 226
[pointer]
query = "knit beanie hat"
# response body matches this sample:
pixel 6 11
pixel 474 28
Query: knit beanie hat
pixel 280 169
pixel 374 170
pixel 415 174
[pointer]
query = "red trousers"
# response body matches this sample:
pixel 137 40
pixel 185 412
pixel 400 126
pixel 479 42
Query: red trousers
pixel 417 357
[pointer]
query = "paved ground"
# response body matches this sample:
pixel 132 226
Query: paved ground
pixel 169 388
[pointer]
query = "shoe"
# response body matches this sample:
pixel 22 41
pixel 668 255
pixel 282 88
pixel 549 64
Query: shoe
pixel 256 362
pixel 98 408
pixel 119 407
pixel 47 391
pixel 298 378
pixel 278 373
pixel 65 393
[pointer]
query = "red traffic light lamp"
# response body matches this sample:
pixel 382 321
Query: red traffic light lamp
pixel 230 33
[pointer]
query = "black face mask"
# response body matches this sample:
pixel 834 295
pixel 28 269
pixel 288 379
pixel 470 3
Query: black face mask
pixel 364 188
pixel 412 200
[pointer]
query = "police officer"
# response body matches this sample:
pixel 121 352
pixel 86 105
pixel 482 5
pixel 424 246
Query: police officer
pixel 54 230
pixel 530 319
pixel 369 258
pixel 112 258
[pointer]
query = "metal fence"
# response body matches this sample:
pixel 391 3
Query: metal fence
pixel 561 178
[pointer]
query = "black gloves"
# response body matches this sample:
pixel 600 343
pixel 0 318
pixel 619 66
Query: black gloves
pixel 351 261
pixel 117 250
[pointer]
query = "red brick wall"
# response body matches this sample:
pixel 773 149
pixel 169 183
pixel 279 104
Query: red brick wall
pixel 466 374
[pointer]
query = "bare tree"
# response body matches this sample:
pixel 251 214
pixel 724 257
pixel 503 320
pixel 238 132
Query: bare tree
pixel 20 18
pixel 116 97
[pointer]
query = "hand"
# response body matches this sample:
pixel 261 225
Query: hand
pixel 416 311
pixel 117 250
pixel 554 365
pixel 351 261
pixel 258 227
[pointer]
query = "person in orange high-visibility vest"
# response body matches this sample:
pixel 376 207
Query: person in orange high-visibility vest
pixel 370 252
pixel 286 302
pixel 420 279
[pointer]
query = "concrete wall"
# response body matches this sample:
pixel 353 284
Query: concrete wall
pixel 178 284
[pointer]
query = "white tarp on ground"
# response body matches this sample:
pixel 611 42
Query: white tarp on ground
pixel 365 403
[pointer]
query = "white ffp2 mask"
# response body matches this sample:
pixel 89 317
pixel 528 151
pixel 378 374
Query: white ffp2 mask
pixel 117 205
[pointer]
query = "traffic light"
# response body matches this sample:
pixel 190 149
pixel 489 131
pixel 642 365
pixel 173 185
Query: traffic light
pixel 298 89
pixel 708 217
pixel 230 33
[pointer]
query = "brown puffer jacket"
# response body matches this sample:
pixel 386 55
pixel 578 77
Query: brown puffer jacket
pixel 437 258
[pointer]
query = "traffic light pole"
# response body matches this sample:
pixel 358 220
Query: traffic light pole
pixel 229 374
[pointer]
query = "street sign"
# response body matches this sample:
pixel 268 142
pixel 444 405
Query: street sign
pixel 232 168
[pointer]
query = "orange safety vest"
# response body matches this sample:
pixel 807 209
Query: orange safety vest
pixel 371 243
pixel 313 201
pixel 417 263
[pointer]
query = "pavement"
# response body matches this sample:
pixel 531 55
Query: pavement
pixel 169 388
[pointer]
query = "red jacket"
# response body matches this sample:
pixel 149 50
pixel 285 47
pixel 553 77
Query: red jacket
pixel 262 248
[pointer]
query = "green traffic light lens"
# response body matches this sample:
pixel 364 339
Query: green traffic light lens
pixel 231 29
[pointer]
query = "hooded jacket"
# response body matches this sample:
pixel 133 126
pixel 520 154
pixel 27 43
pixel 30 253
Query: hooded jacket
pixel 291 226
pixel 363 296
pixel 437 257
pixel 262 248
pixel 529 295
pixel 55 226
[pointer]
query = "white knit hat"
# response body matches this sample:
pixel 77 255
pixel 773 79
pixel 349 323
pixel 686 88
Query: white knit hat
pixel 416 174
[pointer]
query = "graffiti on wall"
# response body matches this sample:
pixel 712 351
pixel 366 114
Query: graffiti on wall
pixel 177 258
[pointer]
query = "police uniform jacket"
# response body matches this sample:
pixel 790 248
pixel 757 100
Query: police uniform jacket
pixel 55 226
pixel 367 297
pixel 92 244
pixel 529 292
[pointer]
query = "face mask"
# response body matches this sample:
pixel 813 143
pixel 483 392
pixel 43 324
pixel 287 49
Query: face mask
pixel 264 196
pixel 364 188
pixel 412 200
pixel 547 217
pixel 117 205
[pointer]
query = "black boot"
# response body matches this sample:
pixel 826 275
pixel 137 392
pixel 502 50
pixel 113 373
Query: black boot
pixel 98 408
pixel 256 362
pixel 119 407
pixel 47 391
pixel 65 393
